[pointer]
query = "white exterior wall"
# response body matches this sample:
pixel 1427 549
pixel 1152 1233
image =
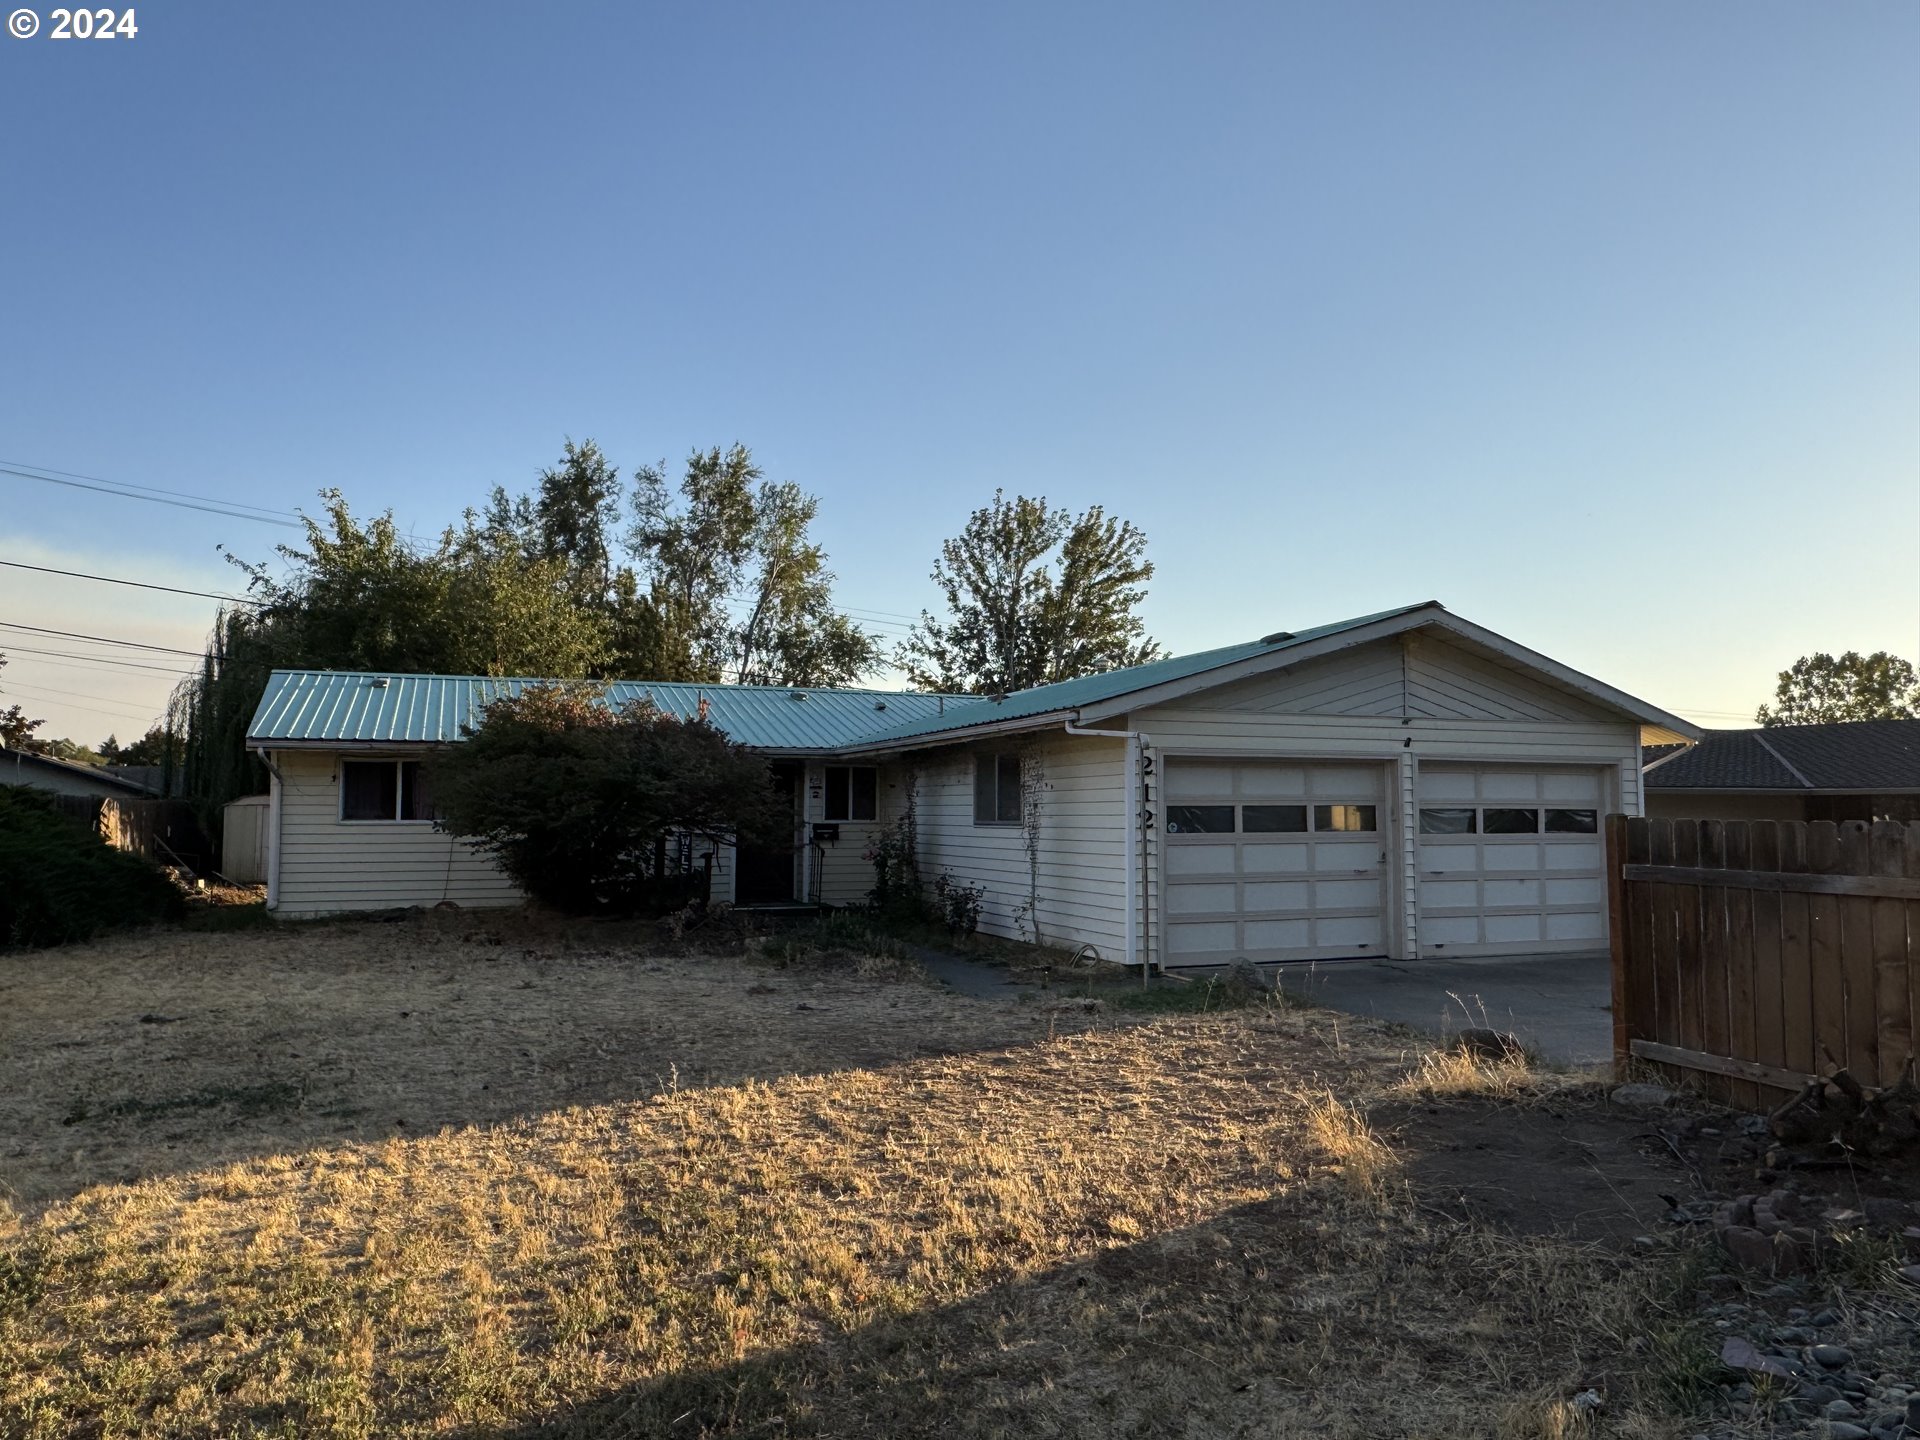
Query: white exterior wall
pixel 1397 702
pixel 1071 890
pixel 327 865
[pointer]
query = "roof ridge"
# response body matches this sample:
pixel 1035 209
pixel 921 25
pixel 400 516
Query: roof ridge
pixel 1792 769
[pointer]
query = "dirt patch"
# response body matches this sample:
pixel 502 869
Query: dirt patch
pixel 1569 1165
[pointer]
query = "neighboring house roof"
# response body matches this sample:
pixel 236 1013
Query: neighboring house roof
pixel 14 759
pixel 319 707
pixel 1857 757
pixel 147 777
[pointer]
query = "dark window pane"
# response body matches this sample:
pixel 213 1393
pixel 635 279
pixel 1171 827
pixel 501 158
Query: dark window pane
pixel 368 789
pixel 1355 818
pixel 1273 819
pixel 837 788
pixel 1510 822
pixel 983 772
pixel 1200 819
pixel 1446 822
pixel 416 795
pixel 1009 790
pixel 1572 822
pixel 865 794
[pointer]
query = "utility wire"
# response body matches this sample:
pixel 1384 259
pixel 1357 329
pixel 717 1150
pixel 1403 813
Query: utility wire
pixel 47 472
pixel 99 639
pixel 94 660
pixel 25 694
pixel 219 507
pixel 142 584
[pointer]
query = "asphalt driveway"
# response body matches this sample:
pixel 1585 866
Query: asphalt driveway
pixel 1558 1005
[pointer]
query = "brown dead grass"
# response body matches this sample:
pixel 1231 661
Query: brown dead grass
pixel 1146 1229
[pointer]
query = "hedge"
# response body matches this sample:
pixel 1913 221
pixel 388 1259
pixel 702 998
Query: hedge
pixel 60 882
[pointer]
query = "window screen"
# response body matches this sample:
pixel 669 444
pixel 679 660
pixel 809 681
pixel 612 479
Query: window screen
pixel 1273 819
pixel 1510 822
pixel 996 790
pixel 1572 822
pixel 853 792
pixel 1446 822
pixel 416 796
pixel 1359 818
pixel 369 790
pixel 1200 819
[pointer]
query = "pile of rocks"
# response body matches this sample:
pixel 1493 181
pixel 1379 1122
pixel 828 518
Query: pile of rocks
pixel 1826 1383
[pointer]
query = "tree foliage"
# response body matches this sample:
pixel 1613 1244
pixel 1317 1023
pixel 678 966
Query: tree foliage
pixel 584 805
pixel 16 730
pixel 1034 595
pixel 572 580
pixel 1820 689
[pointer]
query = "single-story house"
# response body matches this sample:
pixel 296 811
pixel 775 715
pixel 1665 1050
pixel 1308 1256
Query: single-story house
pixel 1858 770
pixel 65 777
pixel 1401 784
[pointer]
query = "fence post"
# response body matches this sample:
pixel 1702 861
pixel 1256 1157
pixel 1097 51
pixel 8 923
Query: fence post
pixel 1617 938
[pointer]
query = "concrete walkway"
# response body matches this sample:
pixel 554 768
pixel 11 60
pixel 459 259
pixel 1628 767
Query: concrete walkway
pixel 1558 1005
pixel 978 978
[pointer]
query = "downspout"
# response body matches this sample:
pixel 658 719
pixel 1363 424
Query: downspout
pixel 273 829
pixel 1135 853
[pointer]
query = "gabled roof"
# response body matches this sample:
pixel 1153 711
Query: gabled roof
pixel 315 707
pixel 328 707
pixel 1857 757
pixel 30 759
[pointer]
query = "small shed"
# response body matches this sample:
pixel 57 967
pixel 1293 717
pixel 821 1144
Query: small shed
pixel 243 840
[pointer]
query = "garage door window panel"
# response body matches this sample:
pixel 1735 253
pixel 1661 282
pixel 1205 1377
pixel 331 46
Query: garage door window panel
pixel 1200 819
pixel 1448 821
pixel 1273 819
pixel 1346 819
pixel 1509 822
pixel 1573 822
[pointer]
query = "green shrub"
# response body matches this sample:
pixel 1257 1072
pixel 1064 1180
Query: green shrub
pixel 60 882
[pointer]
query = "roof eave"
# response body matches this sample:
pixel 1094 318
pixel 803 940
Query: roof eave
pixel 959 735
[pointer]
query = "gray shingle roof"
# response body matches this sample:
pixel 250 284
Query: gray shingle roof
pixel 1862 756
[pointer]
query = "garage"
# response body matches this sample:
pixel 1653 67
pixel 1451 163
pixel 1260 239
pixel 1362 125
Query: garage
pixel 1269 860
pixel 1510 860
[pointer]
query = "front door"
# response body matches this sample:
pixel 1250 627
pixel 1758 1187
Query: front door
pixel 764 874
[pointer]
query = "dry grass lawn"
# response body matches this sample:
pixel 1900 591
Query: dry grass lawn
pixel 716 1199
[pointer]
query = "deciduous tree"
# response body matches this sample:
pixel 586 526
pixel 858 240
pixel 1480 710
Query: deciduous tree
pixel 1820 689
pixel 1034 595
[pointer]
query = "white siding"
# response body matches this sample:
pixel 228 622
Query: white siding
pixel 1495 714
pixel 841 875
pixel 329 865
pixel 1072 889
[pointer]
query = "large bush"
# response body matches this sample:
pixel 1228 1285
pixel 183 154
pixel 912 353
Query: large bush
pixel 584 805
pixel 61 882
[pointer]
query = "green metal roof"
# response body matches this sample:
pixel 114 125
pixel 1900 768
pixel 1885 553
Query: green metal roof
pixel 369 708
pixel 308 707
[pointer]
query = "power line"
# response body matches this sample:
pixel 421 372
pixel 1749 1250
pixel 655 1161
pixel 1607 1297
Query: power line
pixel 141 584
pixel 90 709
pixel 94 660
pixel 98 639
pixel 218 507
pixel 48 470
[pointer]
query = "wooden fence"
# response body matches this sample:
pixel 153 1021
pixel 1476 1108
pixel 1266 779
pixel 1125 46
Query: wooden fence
pixel 1749 957
pixel 163 831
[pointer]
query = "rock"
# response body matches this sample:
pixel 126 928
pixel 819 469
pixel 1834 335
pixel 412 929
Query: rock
pixel 1645 1242
pixel 1247 977
pixel 1792 1335
pixel 1844 1430
pixel 1833 1357
pixel 1825 1318
pixel 1910 1272
pixel 1819 1395
pixel 1840 1410
pixel 1494 1045
pixel 1641 1096
pixel 1739 1353
pixel 1913 1412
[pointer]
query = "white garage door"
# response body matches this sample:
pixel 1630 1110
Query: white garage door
pixel 1511 860
pixel 1271 861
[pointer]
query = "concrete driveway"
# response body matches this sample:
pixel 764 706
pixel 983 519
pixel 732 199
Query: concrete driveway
pixel 1558 1005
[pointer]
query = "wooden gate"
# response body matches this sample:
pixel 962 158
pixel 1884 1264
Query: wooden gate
pixel 1749 957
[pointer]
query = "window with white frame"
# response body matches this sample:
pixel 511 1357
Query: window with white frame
pixel 853 792
pixel 384 790
pixel 996 790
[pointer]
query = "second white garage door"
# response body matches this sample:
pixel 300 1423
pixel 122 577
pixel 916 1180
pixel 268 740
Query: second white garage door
pixel 1273 861
pixel 1511 860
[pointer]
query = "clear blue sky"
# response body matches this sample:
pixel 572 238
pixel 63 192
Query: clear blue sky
pixel 1600 324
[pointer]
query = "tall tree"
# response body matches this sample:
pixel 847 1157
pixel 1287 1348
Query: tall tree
pixel 1820 689
pixel 1034 595
pixel 790 633
pixel 16 730
pixel 691 553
